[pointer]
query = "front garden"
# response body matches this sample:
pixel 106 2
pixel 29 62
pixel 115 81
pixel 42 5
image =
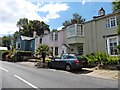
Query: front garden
pixel 102 60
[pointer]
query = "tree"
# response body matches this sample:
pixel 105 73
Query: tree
pixel 77 19
pixel 66 23
pixel 27 27
pixel 6 41
pixel 54 30
pixel 42 48
pixel 22 23
pixel 14 38
pixel 116 5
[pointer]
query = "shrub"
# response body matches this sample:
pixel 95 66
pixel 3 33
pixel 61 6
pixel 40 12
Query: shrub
pixel 113 60
pixel 91 59
pixel 20 55
pixel 4 54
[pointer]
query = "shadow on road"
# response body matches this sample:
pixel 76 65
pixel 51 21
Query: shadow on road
pixel 83 71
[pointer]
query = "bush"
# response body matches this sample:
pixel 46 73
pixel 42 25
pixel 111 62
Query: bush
pixel 21 55
pixel 91 59
pixel 4 54
pixel 113 60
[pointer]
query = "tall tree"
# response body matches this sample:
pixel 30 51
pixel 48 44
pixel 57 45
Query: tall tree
pixel 27 27
pixel 76 19
pixel 116 5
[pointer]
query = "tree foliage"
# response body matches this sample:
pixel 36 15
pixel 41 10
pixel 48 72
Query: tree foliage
pixel 116 5
pixel 42 48
pixel 6 41
pixel 76 19
pixel 27 27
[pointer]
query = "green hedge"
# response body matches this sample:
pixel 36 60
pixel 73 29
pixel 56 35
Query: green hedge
pixel 101 57
pixel 19 55
pixel 113 59
pixel 4 53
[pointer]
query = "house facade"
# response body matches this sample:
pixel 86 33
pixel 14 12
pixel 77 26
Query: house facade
pixel 74 38
pixel 25 43
pixel 100 33
pixel 53 39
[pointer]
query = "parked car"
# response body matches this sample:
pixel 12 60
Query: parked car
pixel 66 61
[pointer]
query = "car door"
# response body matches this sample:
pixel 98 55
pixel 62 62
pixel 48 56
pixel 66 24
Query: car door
pixel 55 63
pixel 62 61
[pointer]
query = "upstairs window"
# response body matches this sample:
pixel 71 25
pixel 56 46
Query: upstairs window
pixel 19 45
pixel 80 30
pixel 111 22
pixel 56 35
pixel 52 36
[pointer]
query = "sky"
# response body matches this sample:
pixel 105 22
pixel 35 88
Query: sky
pixel 52 13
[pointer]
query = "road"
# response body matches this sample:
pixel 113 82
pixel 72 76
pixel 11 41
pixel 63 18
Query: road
pixel 14 75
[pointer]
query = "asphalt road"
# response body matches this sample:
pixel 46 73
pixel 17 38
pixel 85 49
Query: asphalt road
pixel 13 75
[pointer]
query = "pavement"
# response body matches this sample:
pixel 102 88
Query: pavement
pixel 105 74
pixel 21 76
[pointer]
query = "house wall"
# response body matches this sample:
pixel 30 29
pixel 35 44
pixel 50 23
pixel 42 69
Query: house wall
pixel 54 43
pixel 95 30
pixel 73 38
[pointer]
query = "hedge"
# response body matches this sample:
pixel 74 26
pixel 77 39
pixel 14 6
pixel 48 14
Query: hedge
pixel 19 55
pixel 4 53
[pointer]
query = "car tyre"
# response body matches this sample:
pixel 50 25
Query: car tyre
pixel 68 67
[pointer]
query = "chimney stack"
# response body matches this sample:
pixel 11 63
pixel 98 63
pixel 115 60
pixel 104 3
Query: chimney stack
pixel 34 34
pixel 101 12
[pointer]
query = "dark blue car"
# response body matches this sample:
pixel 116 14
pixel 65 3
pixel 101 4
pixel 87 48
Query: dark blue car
pixel 66 61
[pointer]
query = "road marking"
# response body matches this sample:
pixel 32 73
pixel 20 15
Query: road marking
pixel 4 69
pixel 25 81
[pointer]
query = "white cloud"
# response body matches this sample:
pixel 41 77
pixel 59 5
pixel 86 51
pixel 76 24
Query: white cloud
pixel 60 28
pixel 83 2
pixel 12 10
pixel 53 9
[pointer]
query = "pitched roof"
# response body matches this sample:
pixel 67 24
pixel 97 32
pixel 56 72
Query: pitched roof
pixel 26 38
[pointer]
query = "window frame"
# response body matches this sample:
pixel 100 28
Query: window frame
pixel 108 44
pixel 111 22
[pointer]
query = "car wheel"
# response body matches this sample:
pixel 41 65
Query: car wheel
pixel 68 67
pixel 49 65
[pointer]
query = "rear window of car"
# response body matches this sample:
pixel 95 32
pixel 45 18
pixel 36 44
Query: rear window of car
pixel 71 57
pixel 80 57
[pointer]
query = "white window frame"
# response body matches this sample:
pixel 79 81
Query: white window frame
pixel 109 21
pixel 108 43
pixel 74 28
pixel 56 36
